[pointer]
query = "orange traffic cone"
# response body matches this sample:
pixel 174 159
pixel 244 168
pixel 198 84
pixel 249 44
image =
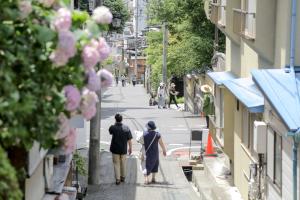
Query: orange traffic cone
pixel 209 147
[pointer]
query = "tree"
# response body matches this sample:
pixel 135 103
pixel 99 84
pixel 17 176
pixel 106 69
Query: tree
pixel 120 13
pixel 191 35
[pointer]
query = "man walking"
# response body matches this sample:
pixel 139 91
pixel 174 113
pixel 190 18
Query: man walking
pixel 121 136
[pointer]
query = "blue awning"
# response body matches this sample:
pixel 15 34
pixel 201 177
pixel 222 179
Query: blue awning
pixel 219 77
pixel 282 91
pixel 245 91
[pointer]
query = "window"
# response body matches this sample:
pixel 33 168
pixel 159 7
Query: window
pixel 274 157
pixel 247 127
pixel 277 159
pixel 244 19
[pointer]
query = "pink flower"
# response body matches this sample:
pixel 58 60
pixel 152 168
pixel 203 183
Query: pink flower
pixel 59 57
pixel 25 8
pixel 63 19
pixel 67 42
pixel 73 97
pixel 103 49
pixel 88 105
pixel 64 126
pixel 106 78
pixel 70 142
pixel 102 15
pixel 93 81
pixel 90 57
pixel 47 3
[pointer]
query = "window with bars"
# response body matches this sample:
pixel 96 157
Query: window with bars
pixel 244 19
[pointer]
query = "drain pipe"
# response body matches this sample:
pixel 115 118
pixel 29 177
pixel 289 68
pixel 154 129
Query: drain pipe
pixel 293 33
pixel 296 135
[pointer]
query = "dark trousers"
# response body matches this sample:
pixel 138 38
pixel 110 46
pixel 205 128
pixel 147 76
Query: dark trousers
pixel 207 121
pixel 172 98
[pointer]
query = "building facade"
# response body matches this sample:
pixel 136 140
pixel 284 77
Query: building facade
pixel 258 38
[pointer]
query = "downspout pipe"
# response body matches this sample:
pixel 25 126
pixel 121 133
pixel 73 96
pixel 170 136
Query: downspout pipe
pixel 293 35
pixel 296 134
pixel 296 139
pixel 295 151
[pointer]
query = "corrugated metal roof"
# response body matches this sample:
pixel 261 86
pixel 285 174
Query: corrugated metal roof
pixel 220 77
pixel 245 91
pixel 282 91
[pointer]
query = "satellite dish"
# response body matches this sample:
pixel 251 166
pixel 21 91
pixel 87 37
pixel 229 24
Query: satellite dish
pixel 218 62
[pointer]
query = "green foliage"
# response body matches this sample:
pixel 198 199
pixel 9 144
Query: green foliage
pixel 80 163
pixel 191 35
pixel 9 188
pixel 119 11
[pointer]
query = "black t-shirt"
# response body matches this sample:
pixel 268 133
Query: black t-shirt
pixel 120 135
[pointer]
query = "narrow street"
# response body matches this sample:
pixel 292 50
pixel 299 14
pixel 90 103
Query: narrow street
pixel 174 125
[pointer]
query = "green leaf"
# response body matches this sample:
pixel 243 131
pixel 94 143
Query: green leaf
pixel 45 34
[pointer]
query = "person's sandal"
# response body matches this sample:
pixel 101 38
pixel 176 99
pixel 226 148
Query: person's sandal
pixel 122 179
pixel 153 180
pixel 118 182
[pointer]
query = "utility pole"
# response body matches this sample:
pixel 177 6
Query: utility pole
pixel 94 149
pixel 165 46
pixel 136 34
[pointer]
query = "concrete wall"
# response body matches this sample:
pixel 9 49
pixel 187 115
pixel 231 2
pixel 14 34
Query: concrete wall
pixel 35 185
pixel 233 57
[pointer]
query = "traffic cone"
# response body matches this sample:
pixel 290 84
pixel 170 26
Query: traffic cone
pixel 209 147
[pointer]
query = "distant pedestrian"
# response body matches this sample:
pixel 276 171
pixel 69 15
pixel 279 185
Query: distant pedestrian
pixel 172 95
pixel 151 140
pixel 208 103
pixel 134 80
pixel 117 80
pixel 121 136
pixel 123 80
pixel 161 95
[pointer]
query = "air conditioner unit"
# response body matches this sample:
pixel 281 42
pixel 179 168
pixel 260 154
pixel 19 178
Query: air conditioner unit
pixel 260 137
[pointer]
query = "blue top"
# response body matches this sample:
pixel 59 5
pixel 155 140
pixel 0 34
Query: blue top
pixel 282 91
pixel 245 90
pixel 219 77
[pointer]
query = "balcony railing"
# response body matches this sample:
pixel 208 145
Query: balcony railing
pixel 218 14
pixel 244 23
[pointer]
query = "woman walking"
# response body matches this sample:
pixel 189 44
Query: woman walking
pixel 151 140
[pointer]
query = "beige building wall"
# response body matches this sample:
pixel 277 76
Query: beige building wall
pixel 249 60
pixel 228 130
pixel 282 37
pixel 233 57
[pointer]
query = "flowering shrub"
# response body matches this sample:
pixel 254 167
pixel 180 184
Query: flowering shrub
pixel 47 70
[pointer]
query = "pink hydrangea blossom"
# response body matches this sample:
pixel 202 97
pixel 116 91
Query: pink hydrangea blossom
pixel 106 78
pixel 103 49
pixel 63 19
pixel 93 81
pixel 73 97
pixel 64 126
pixel 67 42
pixel 90 57
pixel 47 3
pixel 25 8
pixel 59 57
pixel 88 105
pixel 102 15
pixel 70 142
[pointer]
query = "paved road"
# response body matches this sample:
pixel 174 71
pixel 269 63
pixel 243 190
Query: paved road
pixel 174 125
